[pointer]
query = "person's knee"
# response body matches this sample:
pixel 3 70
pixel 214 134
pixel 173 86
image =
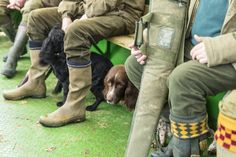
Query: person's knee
pixel 2 21
pixel 75 30
pixel 2 12
pixel 179 78
pixel 133 70
pixel 33 23
pixel 130 65
pixel 77 39
pixel 4 17
pixel 28 7
pixel 33 18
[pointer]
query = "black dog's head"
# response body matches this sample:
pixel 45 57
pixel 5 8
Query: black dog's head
pixel 53 46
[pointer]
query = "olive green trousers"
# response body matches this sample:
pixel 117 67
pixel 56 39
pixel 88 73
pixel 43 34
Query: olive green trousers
pixel 28 7
pixel 189 84
pixel 80 34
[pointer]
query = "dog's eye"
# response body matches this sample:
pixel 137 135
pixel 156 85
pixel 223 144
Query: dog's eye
pixel 119 85
pixel 109 84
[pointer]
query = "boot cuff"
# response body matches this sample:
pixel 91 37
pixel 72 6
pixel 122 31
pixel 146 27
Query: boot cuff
pixel 189 127
pixel 226 133
pixel 35 44
pixel 78 62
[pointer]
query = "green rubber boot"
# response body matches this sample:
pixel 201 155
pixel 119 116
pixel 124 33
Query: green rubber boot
pixel 9 68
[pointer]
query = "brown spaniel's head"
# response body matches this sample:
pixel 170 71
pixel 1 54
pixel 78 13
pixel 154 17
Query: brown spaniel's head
pixel 117 87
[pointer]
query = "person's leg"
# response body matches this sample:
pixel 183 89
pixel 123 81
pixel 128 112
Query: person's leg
pixel 40 23
pixel 6 24
pixel 134 70
pixel 21 38
pixel 31 5
pixel 189 85
pixel 79 37
pixel 9 68
pixel 22 35
pixel 225 135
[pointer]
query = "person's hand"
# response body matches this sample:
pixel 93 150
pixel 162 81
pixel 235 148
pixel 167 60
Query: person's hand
pixel 16 4
pixel 66 21
pixel 198 52
pixel 136 52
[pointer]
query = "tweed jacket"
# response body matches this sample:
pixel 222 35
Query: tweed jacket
pixel 220 49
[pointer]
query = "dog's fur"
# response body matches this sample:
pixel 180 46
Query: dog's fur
pixel 52 53
pixel 119 88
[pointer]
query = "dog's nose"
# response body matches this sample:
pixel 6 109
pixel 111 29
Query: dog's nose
pixel 109 101
pixel 109 98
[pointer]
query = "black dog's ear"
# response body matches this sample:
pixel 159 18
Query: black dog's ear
pixel 57 26
pixel 45 52
pixel 57 37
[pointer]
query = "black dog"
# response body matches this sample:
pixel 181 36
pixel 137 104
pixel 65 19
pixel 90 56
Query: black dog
pixel 52 53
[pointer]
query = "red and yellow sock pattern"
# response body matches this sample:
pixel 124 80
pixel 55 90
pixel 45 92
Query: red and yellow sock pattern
pixel 226 133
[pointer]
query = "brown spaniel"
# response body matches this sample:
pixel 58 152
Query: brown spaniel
pixel 118 88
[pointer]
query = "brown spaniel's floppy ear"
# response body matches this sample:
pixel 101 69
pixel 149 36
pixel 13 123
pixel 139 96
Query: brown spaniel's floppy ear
pixel 131 95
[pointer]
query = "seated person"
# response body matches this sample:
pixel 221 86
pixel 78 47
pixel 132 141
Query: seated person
pixel 209 69
pixel 225 135
pixel 100 19
pixel 6 24
pixel 20 40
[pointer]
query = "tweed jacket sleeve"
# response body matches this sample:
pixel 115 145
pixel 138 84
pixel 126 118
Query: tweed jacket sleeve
pixel 100 7
pixel 221 49
pixel 71 8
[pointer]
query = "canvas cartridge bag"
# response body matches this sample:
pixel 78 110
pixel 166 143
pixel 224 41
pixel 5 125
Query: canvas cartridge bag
pixel 159 35
pixel 165 24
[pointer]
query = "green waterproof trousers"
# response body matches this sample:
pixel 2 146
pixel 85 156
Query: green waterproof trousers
pixel 191 82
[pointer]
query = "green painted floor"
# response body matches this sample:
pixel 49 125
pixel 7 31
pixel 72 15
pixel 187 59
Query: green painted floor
pixel 103 134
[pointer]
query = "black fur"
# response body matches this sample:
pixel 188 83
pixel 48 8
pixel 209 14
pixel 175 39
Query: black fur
pixel 52 53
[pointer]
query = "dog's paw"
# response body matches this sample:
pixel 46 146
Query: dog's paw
pixel 91 108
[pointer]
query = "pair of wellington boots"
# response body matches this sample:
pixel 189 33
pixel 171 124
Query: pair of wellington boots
pixel 9 68
pixel 73 110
